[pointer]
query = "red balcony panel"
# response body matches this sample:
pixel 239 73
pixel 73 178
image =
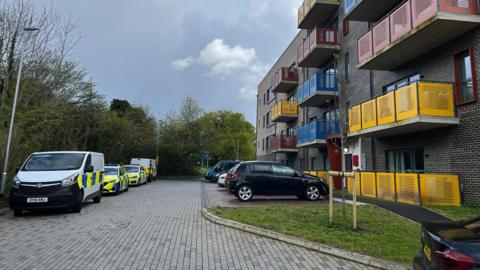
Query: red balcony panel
pixel 400 21
pixel 289 74
pixel 423 10
pixel 365 47
pixel 284 80
pixel 381 35
pixel 468 7
pixel 284 143
pixel 318 45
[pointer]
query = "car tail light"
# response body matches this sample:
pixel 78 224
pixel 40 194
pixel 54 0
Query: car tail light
pixel 233 176
pixel 453 260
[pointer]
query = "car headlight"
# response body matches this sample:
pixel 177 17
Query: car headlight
pixel 16 182
pixel 69 181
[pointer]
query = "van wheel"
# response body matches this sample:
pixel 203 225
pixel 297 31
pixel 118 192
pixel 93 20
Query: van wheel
pixel 18 212
pixel 98 199
pixel 244 193
pixel 78 204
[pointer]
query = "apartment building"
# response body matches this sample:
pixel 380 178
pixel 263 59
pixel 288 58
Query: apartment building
pixel 398 78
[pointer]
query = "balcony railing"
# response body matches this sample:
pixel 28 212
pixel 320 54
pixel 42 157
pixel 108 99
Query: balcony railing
pixel 406 20
pixel 317 47
pixel 415 107
pixel 367 10
pixel 284 143
pixel 317 132
pixel 315 12
pixel 317 89
pixel 285 111
pixel 284 80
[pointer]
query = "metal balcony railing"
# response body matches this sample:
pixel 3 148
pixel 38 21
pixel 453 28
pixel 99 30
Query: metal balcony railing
pixel 403 19
pixel 416 99
pixel 317 130
pixel 285 108
pixel 319 36
pixel 289 75
pixel 319 82
pixel 284 142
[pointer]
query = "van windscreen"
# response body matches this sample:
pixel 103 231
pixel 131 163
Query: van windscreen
pixel 54 162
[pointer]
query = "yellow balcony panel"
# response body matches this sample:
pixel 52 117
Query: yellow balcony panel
pixel 429 28
pixel 418 107
pixel 368 10
pixel 316 12
pixel 285 111
pixel 437 189
pixel 369 114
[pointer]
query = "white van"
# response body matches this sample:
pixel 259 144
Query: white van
pixel 57 180
pixel 150 166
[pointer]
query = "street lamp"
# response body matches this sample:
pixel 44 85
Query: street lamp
pixel 12 119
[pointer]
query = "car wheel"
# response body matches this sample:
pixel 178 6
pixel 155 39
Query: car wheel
pixel 312 193
pixel 18 212
pixel 77 207
pixel 98 199
pixel 117 190
pixel 244 193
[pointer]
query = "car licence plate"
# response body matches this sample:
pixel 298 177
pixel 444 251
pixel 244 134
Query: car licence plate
pixel 428 252
pixel 37 200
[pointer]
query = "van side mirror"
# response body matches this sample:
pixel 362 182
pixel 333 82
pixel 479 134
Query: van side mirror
pixel 89 169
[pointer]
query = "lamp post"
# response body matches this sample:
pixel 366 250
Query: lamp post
pixel 12 118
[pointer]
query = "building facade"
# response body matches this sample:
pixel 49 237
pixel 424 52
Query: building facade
pixel 397 78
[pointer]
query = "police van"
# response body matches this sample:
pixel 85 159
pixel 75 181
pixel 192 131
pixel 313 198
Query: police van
pixel 149 165
pixel 57 180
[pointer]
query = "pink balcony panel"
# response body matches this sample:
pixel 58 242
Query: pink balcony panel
pixel 289 74
pixel 381 35
pixel 300 53
pixel 365 48
pixel 400 21
pixel 459 6
pixel 306 47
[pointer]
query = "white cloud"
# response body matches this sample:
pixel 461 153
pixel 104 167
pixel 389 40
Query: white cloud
pixel 182 64
pixel 248 93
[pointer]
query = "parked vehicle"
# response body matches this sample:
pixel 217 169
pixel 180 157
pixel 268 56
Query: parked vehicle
pixel 266 178
pixel 57 180
pixel 149 165
pixel 209 174
pixel 221 168
pixel 136 175
pixel 221 180
pixel 449 245
pixel 115 180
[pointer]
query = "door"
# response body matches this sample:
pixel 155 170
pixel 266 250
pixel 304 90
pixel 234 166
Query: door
pixel 89 188
pixel 286 182
pixel 261 178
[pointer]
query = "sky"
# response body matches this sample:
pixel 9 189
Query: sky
pixel 155 53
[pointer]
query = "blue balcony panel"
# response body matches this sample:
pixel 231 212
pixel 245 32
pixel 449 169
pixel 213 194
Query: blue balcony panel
pixel 318 89
pixel 315 134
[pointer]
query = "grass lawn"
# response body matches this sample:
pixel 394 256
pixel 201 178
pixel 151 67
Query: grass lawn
pixel 457 213
pixel 381 234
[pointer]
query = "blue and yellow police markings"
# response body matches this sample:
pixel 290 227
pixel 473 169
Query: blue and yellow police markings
pixel 90 179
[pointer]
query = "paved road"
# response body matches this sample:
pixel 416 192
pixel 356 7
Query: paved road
pixel 157 226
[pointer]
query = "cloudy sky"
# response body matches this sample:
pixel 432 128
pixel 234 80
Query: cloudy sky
pixel 157 52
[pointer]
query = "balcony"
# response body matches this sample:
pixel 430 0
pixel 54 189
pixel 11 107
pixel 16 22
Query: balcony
pixel 367 10
pixel 316 12
pixel 413 29
pixel 284 144
pixel 317 90
pixel 416 107
pixel 318 47
pixel 316 133
pixel 285 111
pixel 284 80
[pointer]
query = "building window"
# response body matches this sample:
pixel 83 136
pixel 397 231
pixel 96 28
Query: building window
pixel 268 117
pixel 401 83
pixel 264 121
pixel 405 160
pixel 346 26
pixel 464 79
pixel 263 144
pixel 347 67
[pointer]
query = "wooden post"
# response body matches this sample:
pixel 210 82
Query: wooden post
pixel 330 199
pixel 355 203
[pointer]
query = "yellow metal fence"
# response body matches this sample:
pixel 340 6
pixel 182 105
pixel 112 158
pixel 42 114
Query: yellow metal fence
pixel 285 107
pixel 416 99
pixel 410 188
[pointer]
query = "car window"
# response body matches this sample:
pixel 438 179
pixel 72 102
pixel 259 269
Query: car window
pixel 283 170
pixel 260 168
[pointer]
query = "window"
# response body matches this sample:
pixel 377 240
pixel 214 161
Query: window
pixel 268 118
pixel 346 26
pixel 263 144
pixel 401 83
pixel 464 79
pixel 283 170
pixel 331 116
pixel 260 168
pixel 264 99
pixel 405 160
pixel 264 121
pixel 348 163
pixel 347 67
